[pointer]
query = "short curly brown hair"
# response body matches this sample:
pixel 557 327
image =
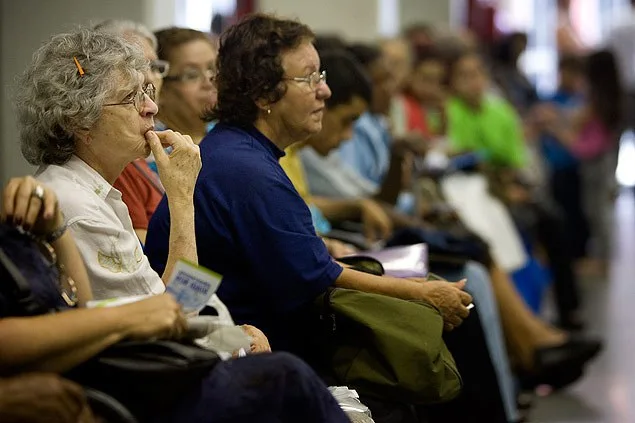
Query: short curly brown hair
pixel 250 65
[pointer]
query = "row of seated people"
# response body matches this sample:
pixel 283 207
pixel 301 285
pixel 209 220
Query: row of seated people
pixel 241 215
pixel 57 343
pixel 574 134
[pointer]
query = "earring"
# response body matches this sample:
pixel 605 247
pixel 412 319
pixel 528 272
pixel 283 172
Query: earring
pixel 268 111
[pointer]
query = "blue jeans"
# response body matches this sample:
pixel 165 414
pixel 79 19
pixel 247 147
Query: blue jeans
pixel 479 286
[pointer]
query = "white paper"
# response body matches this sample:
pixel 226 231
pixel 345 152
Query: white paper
pixel 192 286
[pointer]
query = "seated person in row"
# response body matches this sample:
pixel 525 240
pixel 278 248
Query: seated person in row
pixel 372 163
pixel 189 91
pixel 140 187
pixel 186 66
pixel 486 124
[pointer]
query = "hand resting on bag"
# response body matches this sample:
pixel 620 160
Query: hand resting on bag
pixel 449 298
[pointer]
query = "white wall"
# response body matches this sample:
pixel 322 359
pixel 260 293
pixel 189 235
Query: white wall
pixel 25 24
pixel 360 19
pixel 353 19
pixel 436 12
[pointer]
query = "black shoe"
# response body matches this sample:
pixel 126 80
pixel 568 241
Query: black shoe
pixel 575 351
pixel 571 323
pixel 561 365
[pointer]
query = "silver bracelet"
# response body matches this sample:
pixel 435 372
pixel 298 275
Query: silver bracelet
pixel 56 234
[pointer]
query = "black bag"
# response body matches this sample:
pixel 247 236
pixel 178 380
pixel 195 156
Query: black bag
pixel 25 263
pixel 148 377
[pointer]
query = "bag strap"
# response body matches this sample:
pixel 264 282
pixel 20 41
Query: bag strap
pixel 25 299
pixel 108 407
pixel 326 311
pixel 365 264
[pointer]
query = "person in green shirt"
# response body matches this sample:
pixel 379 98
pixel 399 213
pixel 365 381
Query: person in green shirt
pixel 481 122
pixel 478 121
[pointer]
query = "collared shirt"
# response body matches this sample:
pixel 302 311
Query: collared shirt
pixel 330 177
pixel 494 130
pixel 252 227
pixel 101 226
pixel 368 153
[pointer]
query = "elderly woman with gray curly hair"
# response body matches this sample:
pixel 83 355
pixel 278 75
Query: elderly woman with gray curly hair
pixel 85 110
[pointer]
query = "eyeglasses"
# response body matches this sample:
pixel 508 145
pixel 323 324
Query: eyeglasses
pixel 138 98
pixel 192 75
pixel 313 79
pixel 161 67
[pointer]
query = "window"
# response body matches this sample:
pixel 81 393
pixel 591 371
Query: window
pixel 197 14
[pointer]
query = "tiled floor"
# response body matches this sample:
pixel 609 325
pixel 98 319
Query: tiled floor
pixel 607 393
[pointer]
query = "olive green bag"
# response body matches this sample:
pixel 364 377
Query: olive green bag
pixel 388 348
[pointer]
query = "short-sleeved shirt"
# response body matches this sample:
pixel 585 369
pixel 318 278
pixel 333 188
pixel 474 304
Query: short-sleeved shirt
pixel 494 130
pixel 101 226
pixel 141 190
pixel 330 177
pixel 252 227
pixel 368 152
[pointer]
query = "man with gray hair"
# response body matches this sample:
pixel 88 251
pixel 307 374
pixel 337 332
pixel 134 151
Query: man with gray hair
pixel 141 190
pixel 137 33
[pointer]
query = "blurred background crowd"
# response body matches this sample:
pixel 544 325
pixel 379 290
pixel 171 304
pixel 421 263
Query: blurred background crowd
pixel 536 97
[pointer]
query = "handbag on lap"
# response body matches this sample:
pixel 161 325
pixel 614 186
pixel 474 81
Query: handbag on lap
pixel 387 348
pixel 148 377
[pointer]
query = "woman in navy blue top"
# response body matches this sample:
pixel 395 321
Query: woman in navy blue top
pixel 251 224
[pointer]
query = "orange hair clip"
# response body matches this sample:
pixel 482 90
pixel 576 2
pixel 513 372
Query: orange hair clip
pixel 79 67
